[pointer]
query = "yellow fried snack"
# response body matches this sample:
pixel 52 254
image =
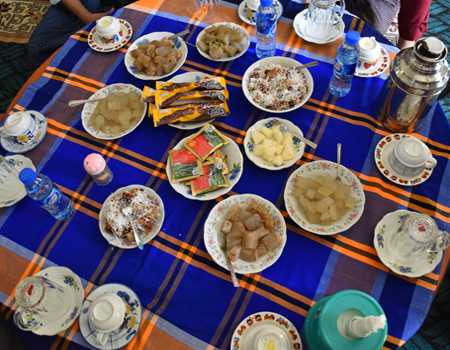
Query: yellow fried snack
pixel 173 98
pixel 208 83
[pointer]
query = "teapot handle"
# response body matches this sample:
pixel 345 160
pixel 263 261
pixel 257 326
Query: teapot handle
pixel 443 240
pixel 339 10
pixel 26 320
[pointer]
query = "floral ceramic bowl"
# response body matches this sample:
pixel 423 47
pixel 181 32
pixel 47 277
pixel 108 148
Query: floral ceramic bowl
pixel 235 163
pixel 214 240
pixel 129 60
pixel 287 126
pixel 323 167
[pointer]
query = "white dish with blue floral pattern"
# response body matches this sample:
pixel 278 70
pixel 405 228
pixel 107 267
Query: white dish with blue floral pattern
pixel 287 127
pixel 129 328
pixel 12 189
pixel 74 293
pixel 10 143
pixel 177 42
pixel 387 226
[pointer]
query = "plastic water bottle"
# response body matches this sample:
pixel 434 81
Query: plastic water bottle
pixel 41 189
pixel 344 68
pixel 266 27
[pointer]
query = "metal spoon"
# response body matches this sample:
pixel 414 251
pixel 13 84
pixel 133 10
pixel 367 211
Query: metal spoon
pixel 307 65
pixel 338 163
pixel 233 276
pixel 75 103
pixel 128 213
pixel 308 142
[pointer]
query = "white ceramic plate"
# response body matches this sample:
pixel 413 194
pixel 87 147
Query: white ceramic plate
pixel 235 162
pixel 115 241
pixel 250 17
pixel 129 327
pixel 382 154
pixel 229 25
pixel 74 296
pixel 283 61
pixel 189 77
pixel 417 267
pixel 129 60
pixel 324 167
pixel 11 145
pixel 96 44
pixel 364 70
pixel 265 325
pixel 214 238
pixel 270 122
pixel 299 25
pixel 12 189
pixel 88 110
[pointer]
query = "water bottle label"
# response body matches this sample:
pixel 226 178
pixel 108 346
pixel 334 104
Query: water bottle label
pixel 344 70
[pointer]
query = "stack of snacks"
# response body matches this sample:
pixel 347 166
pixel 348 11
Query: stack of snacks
pixel 172 103
pixel 200 164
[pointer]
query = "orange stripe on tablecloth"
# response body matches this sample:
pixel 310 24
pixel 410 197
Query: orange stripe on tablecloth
pixel 264 280
pixel 102 151
pixel 395 340
pixel 69 82
pixel 120 148
pixel 432 142
pixel 81 77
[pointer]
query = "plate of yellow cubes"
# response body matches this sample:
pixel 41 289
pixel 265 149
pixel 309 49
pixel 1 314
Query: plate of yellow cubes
pixel 274 143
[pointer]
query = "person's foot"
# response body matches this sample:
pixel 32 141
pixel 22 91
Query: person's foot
pixel 404 44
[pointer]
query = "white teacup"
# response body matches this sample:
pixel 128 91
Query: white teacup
pixel 20 126
pixel 106 314
pixel 108 29
pixel 410 157
pixel 369 50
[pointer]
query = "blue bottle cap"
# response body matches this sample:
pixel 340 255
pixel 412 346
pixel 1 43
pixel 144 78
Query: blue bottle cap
pixel 27 176
pixel 266 3
pixel 352 37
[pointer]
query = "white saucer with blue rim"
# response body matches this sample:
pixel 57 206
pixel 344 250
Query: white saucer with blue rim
pixel 10 144
pixel 128 329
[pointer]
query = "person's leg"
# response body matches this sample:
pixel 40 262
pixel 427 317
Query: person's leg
pixel 412 21
pixel 54 29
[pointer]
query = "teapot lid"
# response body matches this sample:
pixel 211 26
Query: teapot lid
pixel 430 49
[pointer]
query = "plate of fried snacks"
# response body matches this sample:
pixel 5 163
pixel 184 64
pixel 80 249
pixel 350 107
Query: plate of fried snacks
pixel 156 55
pixel 277 84
pixel 223 41
pixel 247 231
pixel 118 113
pixel 324 198
pixel 188 101
pixel 205 165
pixel 147 215
pixel 274 143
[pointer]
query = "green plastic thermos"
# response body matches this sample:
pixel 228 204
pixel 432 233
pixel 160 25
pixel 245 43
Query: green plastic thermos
pixel 347 320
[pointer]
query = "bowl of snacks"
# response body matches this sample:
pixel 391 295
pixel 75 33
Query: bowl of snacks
pixel 277 84
pixel 223 41
pixel 147 213
pixel 156 55
pixel 247 231
pixel 188 100
pixel 118 112
pixel 274 143
pixel 205 165
pixel 324 198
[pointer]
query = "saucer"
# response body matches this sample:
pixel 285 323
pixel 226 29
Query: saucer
pixel 366 70
pixel 299 24
pixel 242 12
pixel 99 45
pixel 265 330
pixel 130 325
pixel 417 267
pixel 75 294
pixel 11 188
pixel 383 151
pixel 9 144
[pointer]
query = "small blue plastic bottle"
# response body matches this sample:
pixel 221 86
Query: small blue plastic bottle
pixel 345 65
pixel 41 189
pixel 266 27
